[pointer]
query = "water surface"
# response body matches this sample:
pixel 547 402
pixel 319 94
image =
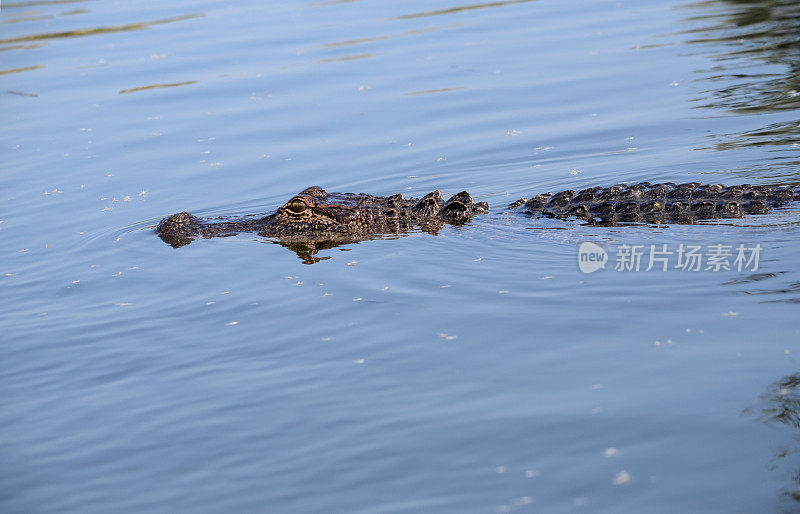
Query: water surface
pixel 476 370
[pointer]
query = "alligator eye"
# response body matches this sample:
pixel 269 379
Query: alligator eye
pixel 297 206
pixel 391 213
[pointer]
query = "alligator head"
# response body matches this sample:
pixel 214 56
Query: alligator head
pixel 315 219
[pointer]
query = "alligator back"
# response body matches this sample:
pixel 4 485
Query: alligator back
pixel 658 203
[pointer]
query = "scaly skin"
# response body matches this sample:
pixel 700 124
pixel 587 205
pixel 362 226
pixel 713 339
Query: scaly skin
pixel 658 203
pixel 315 219
pixel 316 215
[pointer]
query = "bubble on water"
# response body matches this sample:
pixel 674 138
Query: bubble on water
pixel 621 478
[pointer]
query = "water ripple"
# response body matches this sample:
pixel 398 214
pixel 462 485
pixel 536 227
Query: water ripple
pixel 128 27
pixel 459 9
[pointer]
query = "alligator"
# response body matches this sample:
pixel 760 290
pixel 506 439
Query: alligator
pixel 315 219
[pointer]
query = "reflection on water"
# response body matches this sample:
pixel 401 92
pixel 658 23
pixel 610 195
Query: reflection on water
pixel 354 57
pixel 21 47
pixel 22 93
pixel 22 19
pixel 20 70
pixel 780 134
pixel 307 251
pixel 783 408
pixel 432 91
pixel 359 41
pixel 758 71
pixel 331 2
pixel 307 247
pixel 158 86
pixel 13 5
pixel 99 30
pixel 461 8
pixel 754 32
pixel 784 293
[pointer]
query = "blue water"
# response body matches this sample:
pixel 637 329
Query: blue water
pixel 476 370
